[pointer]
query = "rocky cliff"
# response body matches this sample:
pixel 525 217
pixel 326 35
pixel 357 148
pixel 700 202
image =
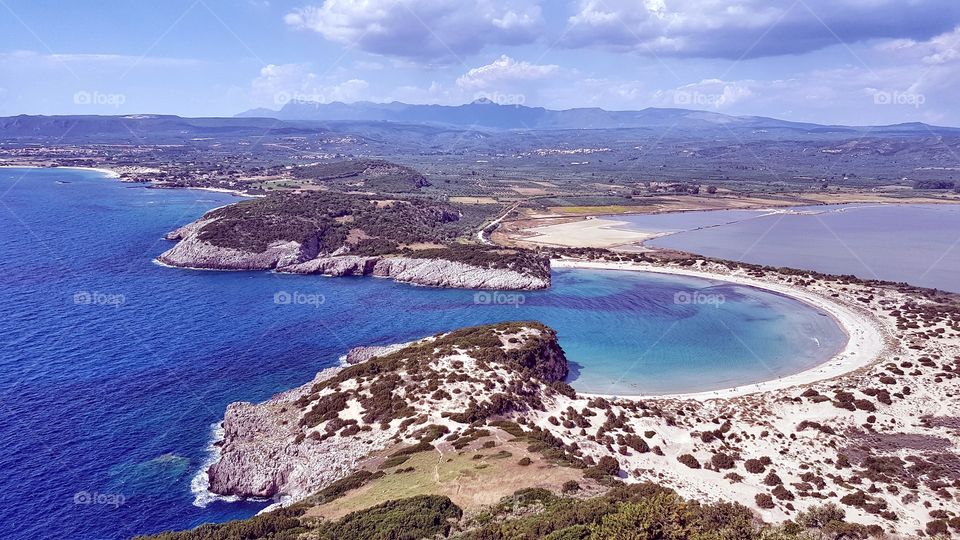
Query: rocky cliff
pixel 302 440
pixel 192 251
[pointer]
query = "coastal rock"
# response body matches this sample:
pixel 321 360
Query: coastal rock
pixel 300 441
pixel 362 354
pixel 427 272
pixel 192 252
pixel 345 265
pixel 443 273
pixel 291 257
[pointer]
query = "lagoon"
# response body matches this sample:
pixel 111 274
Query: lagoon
pixel 914 243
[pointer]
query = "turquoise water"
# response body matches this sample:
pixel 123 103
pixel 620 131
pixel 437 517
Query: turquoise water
pixel 916 243
pixel 113 369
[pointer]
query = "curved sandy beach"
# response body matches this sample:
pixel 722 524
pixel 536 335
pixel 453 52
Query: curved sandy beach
pixel 864 345
pixel 106 172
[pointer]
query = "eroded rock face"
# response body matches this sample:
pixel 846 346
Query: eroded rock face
pixel 298 442
pixel 192 252
pixel 344 265
pixel 362 354
pixel 443 273
pixel 427 272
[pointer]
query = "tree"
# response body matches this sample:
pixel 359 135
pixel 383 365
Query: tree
pixel 817 517
pixel 662 517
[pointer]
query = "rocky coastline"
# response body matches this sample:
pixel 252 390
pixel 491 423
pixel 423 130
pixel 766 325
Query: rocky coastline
pixel 300 441
pixel 191 251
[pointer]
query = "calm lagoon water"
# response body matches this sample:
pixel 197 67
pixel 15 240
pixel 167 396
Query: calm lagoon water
pixel 917 243
pixel 108 404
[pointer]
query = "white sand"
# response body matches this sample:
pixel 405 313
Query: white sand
pixel 591 232
pixel 864 345
pixel 106 172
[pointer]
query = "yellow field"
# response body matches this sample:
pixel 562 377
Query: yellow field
pixel 473 200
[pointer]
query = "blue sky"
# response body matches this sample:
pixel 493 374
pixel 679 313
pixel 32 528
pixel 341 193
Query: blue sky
pixel 828 61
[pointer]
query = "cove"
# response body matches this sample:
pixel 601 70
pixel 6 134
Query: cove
pixel 114 369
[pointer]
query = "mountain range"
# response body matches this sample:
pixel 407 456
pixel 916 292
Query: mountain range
pixel 393 123
pixel 485 114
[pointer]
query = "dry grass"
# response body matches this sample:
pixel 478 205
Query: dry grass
pixel 470 483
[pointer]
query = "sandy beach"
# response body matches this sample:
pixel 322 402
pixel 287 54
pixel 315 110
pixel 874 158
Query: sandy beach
pixel 864 346
pixel 106 172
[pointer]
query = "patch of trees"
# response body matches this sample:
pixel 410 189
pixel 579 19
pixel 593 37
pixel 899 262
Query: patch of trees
pixel 934 184
pixel 322 221
pixel 375 175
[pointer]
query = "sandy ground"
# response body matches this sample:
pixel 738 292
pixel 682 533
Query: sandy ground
pixel 864 345
pixel 592 232
pixel 913 364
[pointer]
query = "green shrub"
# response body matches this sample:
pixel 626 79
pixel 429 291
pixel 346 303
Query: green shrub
pixel 424 516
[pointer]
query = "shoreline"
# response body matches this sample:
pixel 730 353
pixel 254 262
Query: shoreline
pixel 865 340
pixel 109 173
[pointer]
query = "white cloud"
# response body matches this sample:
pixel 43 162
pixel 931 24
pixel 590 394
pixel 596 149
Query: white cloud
pixel 116 61
pixel 707 94
pixel 504 72
pixel 751 28
pixel 424 30
pixel 280 84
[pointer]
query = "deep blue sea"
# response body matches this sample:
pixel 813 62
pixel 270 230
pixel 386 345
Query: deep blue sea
pixel 113 369
pixel 915 243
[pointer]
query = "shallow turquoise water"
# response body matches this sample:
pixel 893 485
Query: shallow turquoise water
pixel 107 404
pixel 913 243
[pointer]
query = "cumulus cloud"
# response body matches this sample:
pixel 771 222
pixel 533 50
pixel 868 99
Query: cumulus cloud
pixel 503 73
pixel 707 94
pixel 423 30
pixel 752 28
pixel 280 84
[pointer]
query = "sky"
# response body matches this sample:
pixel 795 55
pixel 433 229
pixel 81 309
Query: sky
pixel 854 62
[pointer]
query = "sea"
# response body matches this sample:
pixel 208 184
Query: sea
pixel 115 371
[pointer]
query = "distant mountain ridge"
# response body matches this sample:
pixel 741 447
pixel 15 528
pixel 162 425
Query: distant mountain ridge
pixel 484 113
pixel 399 123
